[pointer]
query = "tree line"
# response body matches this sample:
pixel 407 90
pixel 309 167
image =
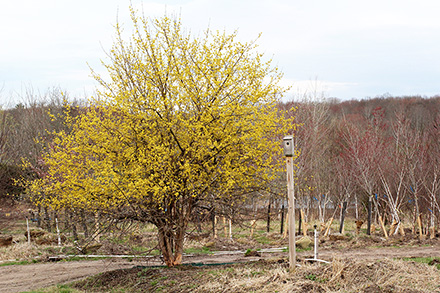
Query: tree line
pixel 384 150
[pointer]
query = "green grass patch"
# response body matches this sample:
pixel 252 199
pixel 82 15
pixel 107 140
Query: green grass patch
pixel 197 250
pixel 19 262
pixel 428 260
pixel 313 277
pixel 297 249
pixel 56 289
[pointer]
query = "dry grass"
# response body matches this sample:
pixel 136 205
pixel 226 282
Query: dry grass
pixel 19 251
pixel 339 276
pixel 24 252
pixel 385 275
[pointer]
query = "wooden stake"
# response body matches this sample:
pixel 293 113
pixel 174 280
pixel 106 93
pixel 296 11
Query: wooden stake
pixel 383 227
pixel 303 223
pixel 323 227
pixel 225 229
pixel 419 224
pixel 28 231
pixel 215 224
pixel 58 232
pixel 96 234
pixel 305 228
pixel 327 231
pixel 359 224
pixel 230 229
pixel 401 230
pixel 253 223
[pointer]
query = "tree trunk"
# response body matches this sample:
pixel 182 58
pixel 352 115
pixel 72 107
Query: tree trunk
pixel 39 217
pixel 171 244
pixel 369 217
pixel 166 246
pixel 47 219
pixel 356 207
pixel 199 226
pixel 268 216
pixel 171 231
pixel 344 208
pixel 419 225
pixel 74 232
pixel 84 225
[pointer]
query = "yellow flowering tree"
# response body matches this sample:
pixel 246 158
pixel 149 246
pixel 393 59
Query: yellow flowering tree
pixel 181 119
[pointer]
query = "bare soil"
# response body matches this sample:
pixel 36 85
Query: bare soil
pixel 18 278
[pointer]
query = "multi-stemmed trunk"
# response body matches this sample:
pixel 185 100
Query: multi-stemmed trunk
pixel 171 230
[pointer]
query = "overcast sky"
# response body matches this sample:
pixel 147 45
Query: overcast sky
pixel 352 49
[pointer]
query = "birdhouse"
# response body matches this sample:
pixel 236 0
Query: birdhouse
pixel 288 146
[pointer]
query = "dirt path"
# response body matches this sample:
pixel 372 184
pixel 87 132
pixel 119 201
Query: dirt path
pixel 18 278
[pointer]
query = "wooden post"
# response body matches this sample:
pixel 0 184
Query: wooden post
pixel 282 219
pixel 58 232
pixel 213 222
pixel 289 152
pixel 291 195
pixel 230 229
pixel 28 231
pixel 303 224
pixel 214 226
pixel 358 226
pixel 97 234
pixel 225 229
pixel 268 216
